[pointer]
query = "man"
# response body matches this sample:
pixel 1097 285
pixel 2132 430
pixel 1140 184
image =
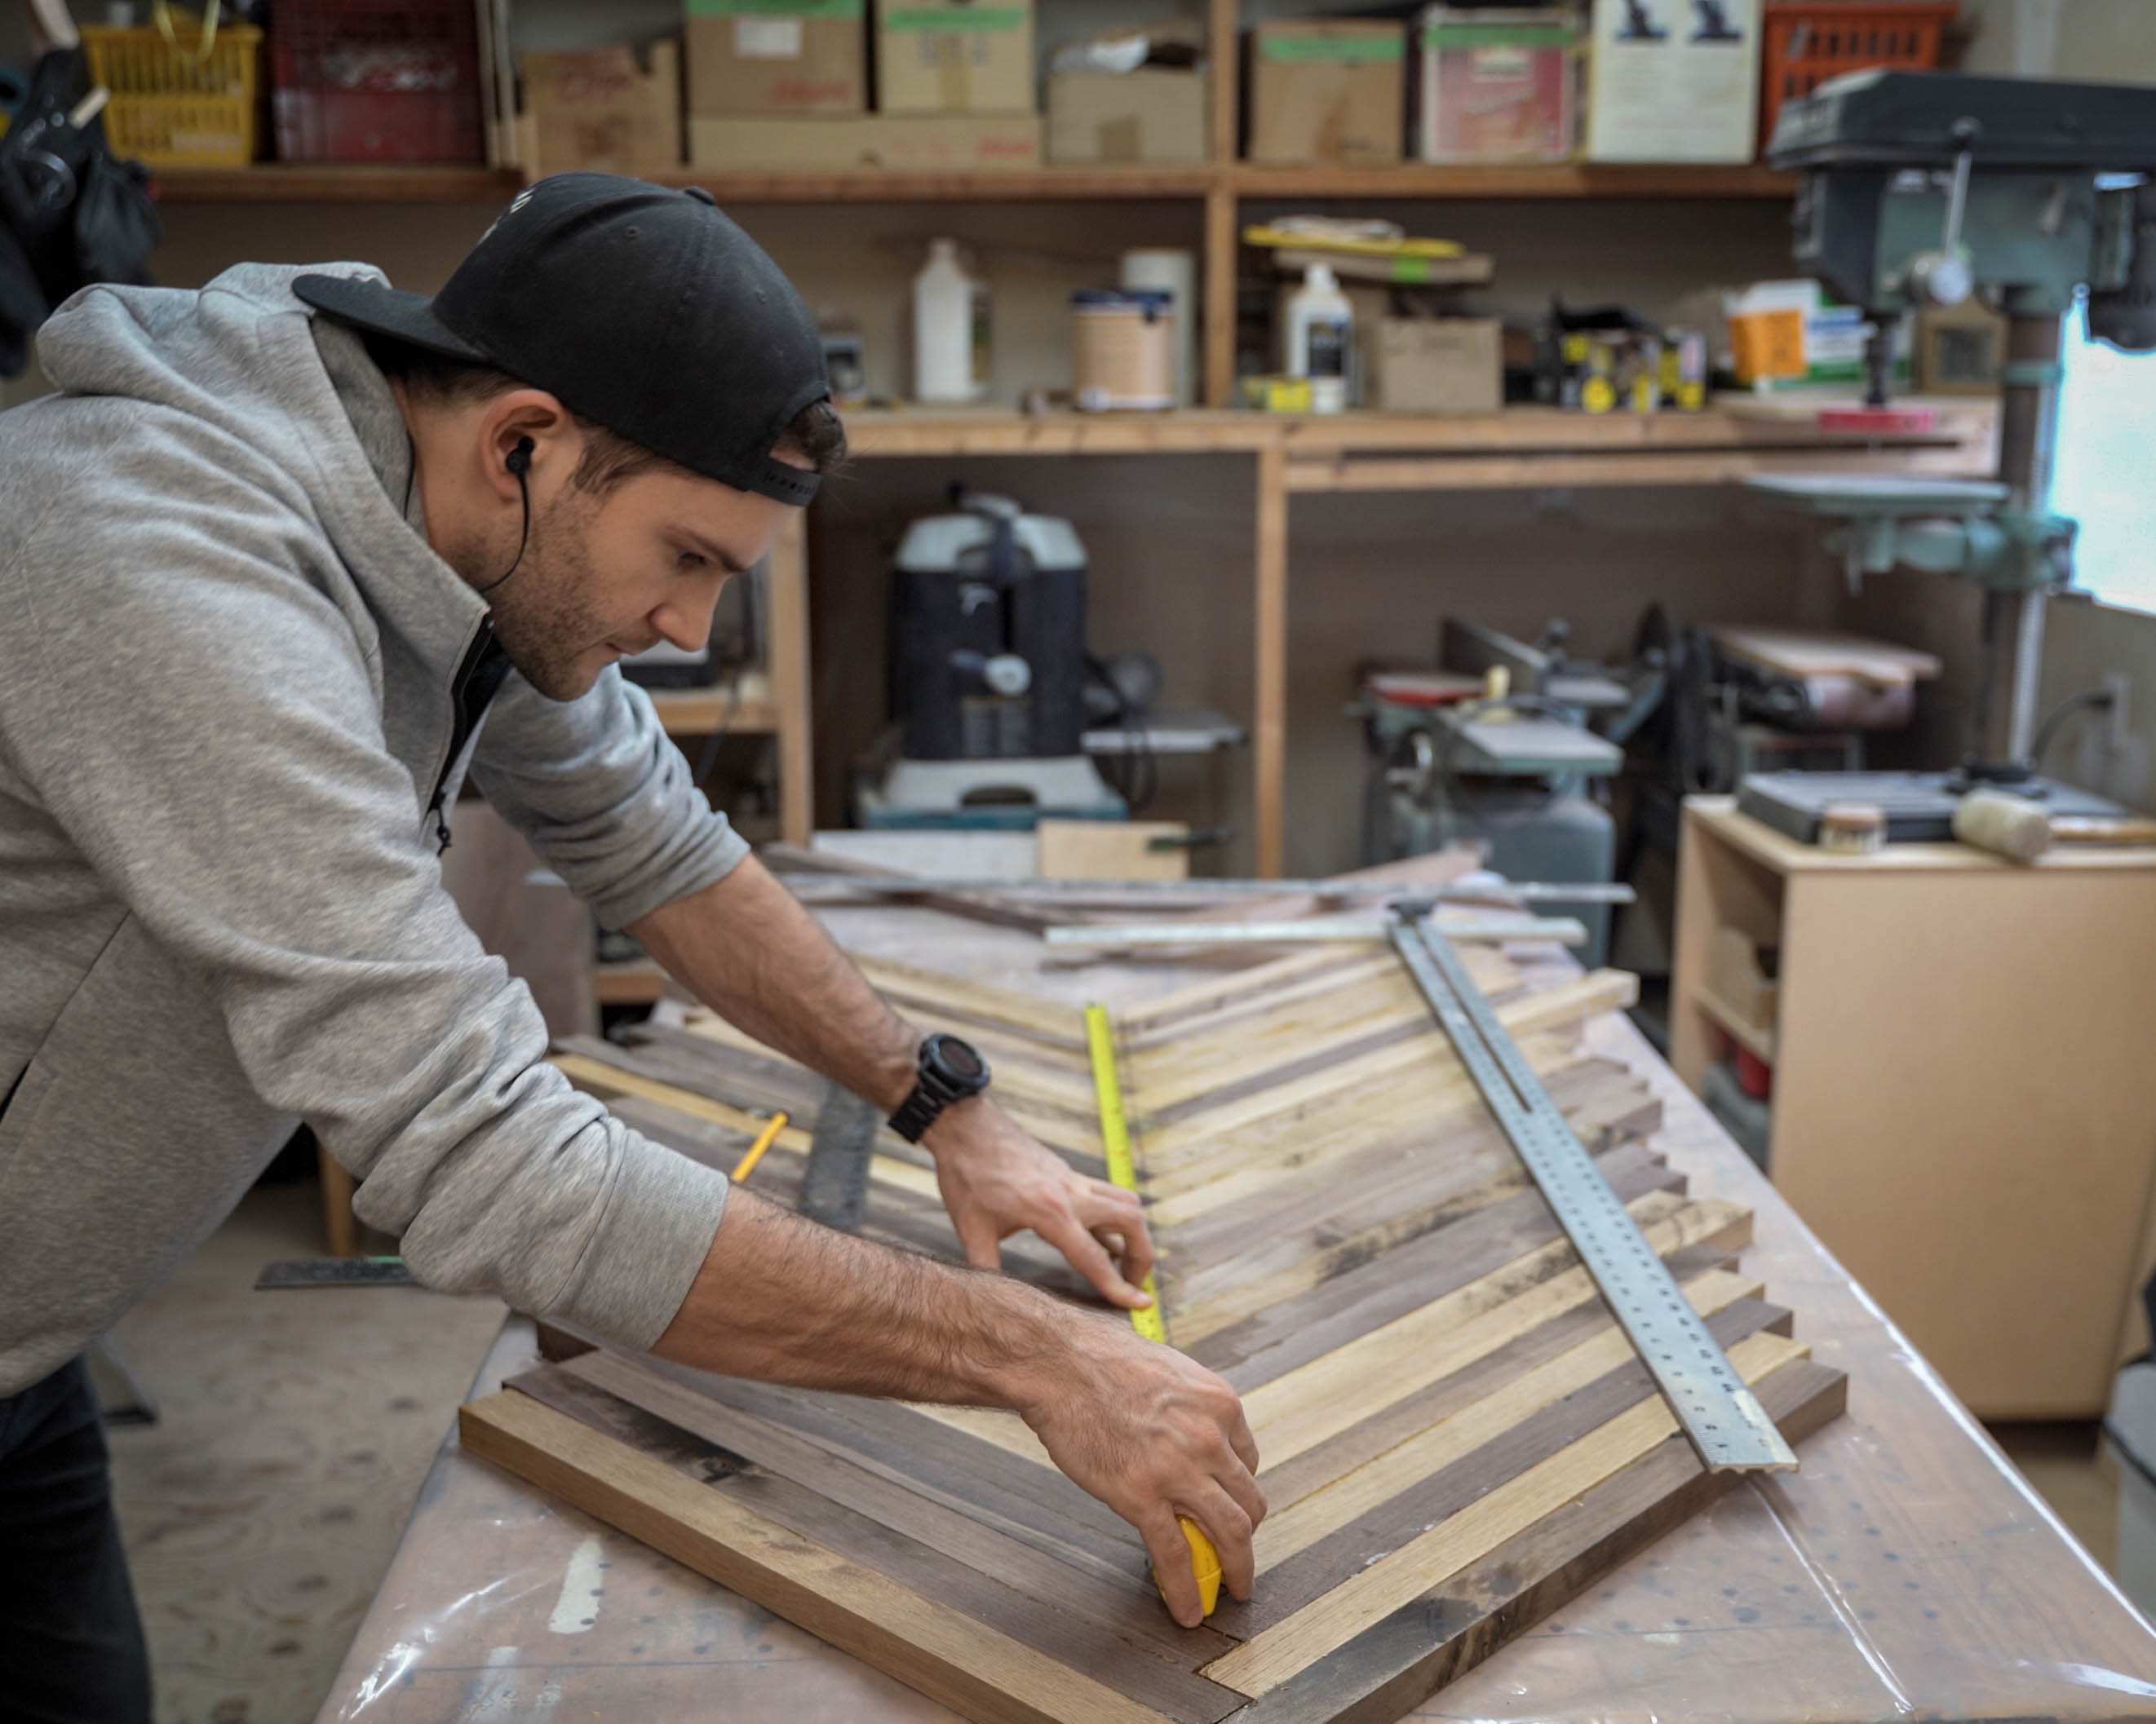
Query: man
pixel 279 562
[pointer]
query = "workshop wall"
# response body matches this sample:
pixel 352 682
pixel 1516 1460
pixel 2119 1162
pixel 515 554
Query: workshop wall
pixel 2109 41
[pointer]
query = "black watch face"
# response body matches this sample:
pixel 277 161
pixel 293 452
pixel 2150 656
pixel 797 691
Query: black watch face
pixel 959 1059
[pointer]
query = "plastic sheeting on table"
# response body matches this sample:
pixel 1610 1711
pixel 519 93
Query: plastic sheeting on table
pixel 1905 1572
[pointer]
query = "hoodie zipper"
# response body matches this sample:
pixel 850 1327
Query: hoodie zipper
pixel 479 678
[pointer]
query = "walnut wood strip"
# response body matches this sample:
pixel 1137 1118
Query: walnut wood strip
pixel 1110 1592
pixel 943 1653
pixel 1391 1666
pixel 1368 1597
pixel 891 1436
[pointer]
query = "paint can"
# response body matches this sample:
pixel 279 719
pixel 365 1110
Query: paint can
pixel 1122 349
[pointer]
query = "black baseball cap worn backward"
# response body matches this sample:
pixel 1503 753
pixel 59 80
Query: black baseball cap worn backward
pixel 643 309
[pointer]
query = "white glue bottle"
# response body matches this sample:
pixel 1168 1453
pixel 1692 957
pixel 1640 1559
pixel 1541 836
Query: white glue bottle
pixel 950 329
pixel 1320 339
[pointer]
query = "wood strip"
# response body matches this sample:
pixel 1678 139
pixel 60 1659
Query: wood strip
pixel 1468 1367
pixel 1058 1026
pixel 1210 995
pixel 933 1648
pixel 1298 1330
pixel 879 1434
pixel 1337 1532
pixel 1432 1339
pixel 1392 1666
pixel 1604 991
pixel 1368 1597
pixel 1300 1259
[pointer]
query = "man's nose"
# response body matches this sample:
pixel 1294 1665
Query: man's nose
pixel 686 623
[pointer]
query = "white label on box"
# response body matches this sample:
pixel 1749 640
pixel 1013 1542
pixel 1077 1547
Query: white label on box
pixel 767 38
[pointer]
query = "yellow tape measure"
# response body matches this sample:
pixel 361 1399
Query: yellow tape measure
pixel 1116 1141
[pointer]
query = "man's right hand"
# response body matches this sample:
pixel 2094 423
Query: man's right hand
pixel 1153 1435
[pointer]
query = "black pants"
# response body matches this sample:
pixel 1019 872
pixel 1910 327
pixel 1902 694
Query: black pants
pixel 71 1648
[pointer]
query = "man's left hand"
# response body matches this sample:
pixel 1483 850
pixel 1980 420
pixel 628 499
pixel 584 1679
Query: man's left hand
pixel 998 1179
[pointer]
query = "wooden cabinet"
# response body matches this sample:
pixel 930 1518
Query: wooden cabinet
pixel 1964 1104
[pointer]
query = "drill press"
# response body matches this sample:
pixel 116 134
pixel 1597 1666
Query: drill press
pixel 1921 190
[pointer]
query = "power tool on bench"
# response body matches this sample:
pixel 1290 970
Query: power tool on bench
pixel 1502 746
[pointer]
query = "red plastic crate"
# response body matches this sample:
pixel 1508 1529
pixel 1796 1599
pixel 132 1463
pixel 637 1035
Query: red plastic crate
pixel 376 80
pixel 1811 41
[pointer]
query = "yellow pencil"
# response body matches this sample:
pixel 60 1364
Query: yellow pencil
pixel 746 1165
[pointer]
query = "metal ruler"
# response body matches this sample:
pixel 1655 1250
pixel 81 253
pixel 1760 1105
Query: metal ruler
pixel 1721 1415
pixel 1116 1141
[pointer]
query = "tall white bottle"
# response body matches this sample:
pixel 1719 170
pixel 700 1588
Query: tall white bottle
pixel 1320 339
pixel 950 329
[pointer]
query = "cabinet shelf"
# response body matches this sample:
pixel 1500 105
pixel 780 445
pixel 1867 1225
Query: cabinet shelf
pixel 281 183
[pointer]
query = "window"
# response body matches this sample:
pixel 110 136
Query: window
pixel 2105 475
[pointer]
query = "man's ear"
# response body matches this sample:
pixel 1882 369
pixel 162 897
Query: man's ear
pixel 526 438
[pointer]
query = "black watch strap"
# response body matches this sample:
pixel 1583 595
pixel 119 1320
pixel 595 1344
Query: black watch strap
pixel 951 1070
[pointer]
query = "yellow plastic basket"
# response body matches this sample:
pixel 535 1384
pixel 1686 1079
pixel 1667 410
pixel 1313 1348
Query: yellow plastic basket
pixel 171 112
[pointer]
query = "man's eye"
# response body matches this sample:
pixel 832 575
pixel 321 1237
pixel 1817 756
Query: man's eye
pixel 693 561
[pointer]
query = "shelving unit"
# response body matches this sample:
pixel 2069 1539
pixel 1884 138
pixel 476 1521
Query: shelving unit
pixel 1521 448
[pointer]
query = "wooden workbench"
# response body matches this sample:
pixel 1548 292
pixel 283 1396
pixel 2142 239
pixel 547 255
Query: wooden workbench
pixel 1905 1571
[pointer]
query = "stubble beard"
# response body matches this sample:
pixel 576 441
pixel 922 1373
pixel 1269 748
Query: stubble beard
pixel 543 615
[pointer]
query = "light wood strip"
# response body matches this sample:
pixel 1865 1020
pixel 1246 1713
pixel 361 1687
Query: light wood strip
pixel 1365 1598
pixel 1301 1407
pixel 1263 980
pixel 1300 1525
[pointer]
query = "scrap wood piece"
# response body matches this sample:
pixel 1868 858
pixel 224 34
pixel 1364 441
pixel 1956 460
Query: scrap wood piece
pixel 985 905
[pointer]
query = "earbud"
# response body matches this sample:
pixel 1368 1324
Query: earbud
pixel 518 461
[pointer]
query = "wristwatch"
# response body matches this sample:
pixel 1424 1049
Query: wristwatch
pixel 951 1070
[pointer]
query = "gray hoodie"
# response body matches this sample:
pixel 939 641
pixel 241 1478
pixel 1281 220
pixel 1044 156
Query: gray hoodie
pixel 226 659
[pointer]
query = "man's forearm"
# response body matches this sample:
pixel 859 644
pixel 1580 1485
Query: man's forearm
pixel 747 948
pixel 782 1300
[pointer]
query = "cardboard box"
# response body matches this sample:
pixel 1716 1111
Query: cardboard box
pixel 1439 365
pixel 600 110
pixel 1496 86
pixel 1329 92
pixel 947 142
pixel 1150 115
pixel 1670 81
pixel 776 56
pixel 954 57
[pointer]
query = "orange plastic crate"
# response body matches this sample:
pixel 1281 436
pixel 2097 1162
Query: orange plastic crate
pixel 1811 41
